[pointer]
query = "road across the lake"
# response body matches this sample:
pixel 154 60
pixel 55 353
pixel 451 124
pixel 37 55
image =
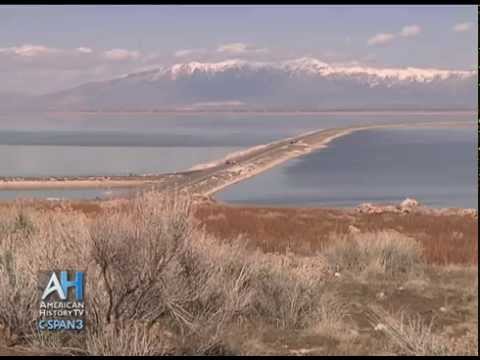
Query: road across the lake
pixel 237 168
pixel 218 175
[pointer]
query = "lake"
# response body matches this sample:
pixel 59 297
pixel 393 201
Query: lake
pixel 122 144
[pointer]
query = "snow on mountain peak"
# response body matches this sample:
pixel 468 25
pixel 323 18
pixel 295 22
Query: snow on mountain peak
pixel 191 67
pixel 308 66
pixel 398 74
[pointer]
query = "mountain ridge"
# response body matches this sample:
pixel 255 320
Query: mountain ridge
pixel 304 84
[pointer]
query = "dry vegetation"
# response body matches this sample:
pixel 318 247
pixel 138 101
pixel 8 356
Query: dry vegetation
pixel 446 239
pixel 159 282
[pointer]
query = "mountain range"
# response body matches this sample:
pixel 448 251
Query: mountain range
pixel 304 84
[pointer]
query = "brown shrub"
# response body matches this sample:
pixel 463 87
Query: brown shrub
pixel 148 263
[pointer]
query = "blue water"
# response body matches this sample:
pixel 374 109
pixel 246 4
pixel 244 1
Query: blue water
pixel 438 167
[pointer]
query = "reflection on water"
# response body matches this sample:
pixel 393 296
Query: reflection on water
pixel 436 166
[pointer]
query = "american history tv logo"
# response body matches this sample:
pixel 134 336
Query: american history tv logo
pixel 62 306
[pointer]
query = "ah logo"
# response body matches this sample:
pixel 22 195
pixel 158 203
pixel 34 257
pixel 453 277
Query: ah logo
pixel 61 286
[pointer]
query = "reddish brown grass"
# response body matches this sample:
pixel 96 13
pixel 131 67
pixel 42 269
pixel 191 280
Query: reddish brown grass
pixel 449 239
pixel 446 239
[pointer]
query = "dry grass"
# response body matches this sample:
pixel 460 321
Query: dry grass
pixel 130 339
pixel 158 284
pixel 410 334
pixel 446 239
pixel 387 253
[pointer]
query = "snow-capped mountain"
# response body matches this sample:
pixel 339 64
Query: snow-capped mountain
pixel 310 66
pixel 300 84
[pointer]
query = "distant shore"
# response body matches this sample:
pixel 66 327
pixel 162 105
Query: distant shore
pixel 180 112
pixel 268 113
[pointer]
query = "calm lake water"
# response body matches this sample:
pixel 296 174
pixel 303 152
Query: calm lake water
pixel 75 145
pixel 436 166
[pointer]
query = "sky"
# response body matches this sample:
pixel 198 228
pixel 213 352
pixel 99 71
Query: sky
pixel 49 48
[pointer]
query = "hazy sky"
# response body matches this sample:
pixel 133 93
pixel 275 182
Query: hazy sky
pixel 46 48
